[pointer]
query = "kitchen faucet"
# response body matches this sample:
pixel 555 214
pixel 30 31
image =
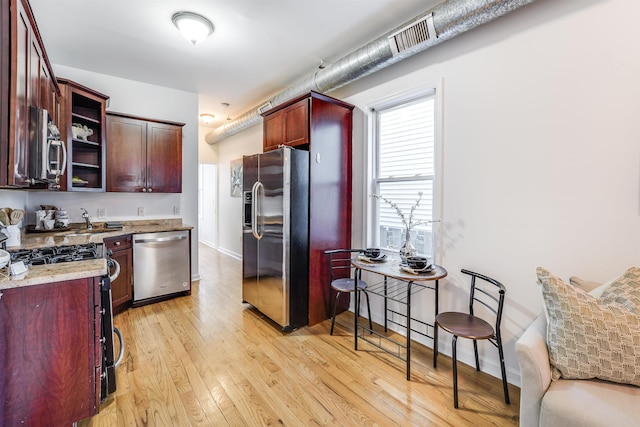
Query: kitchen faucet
pixel 87 218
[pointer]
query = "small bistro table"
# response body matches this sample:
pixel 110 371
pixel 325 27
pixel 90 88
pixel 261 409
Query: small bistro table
pixel 400 289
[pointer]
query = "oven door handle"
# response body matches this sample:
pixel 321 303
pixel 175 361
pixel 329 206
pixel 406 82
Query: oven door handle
pixel 121 351
pixel 116 264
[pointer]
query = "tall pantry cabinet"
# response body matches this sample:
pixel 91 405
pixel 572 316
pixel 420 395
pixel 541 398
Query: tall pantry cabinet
pixel 321 125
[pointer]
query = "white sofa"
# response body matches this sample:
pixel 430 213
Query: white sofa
pixel 566 403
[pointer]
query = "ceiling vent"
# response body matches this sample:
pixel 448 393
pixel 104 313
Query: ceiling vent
pixel 265 107
pixel 412 35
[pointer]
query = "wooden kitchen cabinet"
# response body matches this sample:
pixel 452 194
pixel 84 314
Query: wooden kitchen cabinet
pixel 323 126
pixel 27 80
pixel 143 155
pixel 122 286
pixel 50 354
pixel 287 126
pixel 86 170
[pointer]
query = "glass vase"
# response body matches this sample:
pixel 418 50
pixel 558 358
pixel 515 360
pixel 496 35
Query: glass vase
pixel 407 249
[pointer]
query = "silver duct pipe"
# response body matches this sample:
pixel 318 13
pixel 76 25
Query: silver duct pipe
pixel 444 21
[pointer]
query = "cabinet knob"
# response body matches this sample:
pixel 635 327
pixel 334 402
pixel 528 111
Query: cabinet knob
pixel 117 243
pixel 150 190
pixel 144 190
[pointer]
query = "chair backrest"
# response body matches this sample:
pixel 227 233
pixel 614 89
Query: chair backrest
pixel 488 292
pixel 340 262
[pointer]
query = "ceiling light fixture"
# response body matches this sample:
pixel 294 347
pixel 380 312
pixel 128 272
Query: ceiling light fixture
pixel 193 27
pixel 207 119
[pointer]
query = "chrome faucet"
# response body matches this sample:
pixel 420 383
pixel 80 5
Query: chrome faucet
pixel 87 218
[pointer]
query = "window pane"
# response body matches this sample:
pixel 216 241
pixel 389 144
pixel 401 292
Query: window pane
pixel 405 195
pixel 405 167
pixel 406 140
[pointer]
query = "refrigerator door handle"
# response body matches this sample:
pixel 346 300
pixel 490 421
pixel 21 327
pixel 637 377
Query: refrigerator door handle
pixel 256 209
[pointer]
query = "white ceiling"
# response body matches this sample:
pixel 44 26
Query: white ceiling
pixel 258 48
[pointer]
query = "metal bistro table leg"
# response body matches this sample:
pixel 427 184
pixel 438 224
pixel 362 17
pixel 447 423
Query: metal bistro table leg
pixel 409 330
pixel 435 330
pixel 355 320
pixel 386 307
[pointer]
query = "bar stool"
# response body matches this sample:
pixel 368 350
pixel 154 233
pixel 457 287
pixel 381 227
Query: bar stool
pixel 490 293
pixel 340 266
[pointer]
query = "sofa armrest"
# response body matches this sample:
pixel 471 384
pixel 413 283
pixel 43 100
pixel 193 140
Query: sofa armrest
pixel 535 371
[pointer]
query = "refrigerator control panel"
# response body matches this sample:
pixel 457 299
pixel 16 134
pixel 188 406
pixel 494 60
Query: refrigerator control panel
pixel 247 208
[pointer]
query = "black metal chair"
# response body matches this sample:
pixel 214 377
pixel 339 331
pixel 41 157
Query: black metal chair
pixel 490 293
pixel 340 268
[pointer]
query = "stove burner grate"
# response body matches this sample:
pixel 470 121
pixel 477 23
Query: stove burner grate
pixel 58 254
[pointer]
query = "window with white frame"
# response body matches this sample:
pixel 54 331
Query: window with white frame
pixel 404 167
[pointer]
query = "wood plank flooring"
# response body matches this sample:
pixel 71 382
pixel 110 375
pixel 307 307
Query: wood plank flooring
pixel 209 360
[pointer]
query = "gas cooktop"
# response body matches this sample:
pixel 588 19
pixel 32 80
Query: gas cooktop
pixel 57 254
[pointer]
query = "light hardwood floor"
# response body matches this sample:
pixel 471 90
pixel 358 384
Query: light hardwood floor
pixel 210 360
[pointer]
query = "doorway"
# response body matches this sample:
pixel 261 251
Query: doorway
pixel 207 204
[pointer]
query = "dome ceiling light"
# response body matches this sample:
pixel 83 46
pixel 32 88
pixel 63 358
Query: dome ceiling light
pixel 193 27
pixel 207 119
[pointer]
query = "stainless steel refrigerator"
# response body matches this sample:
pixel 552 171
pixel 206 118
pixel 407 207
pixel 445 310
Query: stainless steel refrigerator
pixel 275 237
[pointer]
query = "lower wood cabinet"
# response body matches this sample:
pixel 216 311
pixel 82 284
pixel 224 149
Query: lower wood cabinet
pixel 50 354
pixel 122 286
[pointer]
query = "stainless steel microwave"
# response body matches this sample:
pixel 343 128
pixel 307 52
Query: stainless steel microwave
pixel 47 154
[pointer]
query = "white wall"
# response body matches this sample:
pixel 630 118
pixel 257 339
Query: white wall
pixel 13 199
pixel 206 153
pixel 230 208
pixel 144 100
pixel 541 154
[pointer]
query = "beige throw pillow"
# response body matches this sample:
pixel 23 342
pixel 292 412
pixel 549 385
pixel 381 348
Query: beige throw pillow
pixel 625 290
pixel 587 339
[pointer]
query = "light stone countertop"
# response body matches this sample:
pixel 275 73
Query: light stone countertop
pixel 39 274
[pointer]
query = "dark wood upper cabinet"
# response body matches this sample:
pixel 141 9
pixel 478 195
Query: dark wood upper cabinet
pixel 5 61
pixel 323 126
pixel 143 155
pixel 287 126
pixel 26 81
pixel 85 154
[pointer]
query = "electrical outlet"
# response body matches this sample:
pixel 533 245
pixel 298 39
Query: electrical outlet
pixel 102 213
pixel 140 211
pixel 176 210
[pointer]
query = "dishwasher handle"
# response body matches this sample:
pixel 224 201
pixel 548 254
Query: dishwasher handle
pixel 160 239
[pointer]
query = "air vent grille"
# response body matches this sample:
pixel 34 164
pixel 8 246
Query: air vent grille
pixel 265 107
pixel 412 35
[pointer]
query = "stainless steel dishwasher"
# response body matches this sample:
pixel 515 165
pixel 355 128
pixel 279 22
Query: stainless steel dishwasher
pixel 161 265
